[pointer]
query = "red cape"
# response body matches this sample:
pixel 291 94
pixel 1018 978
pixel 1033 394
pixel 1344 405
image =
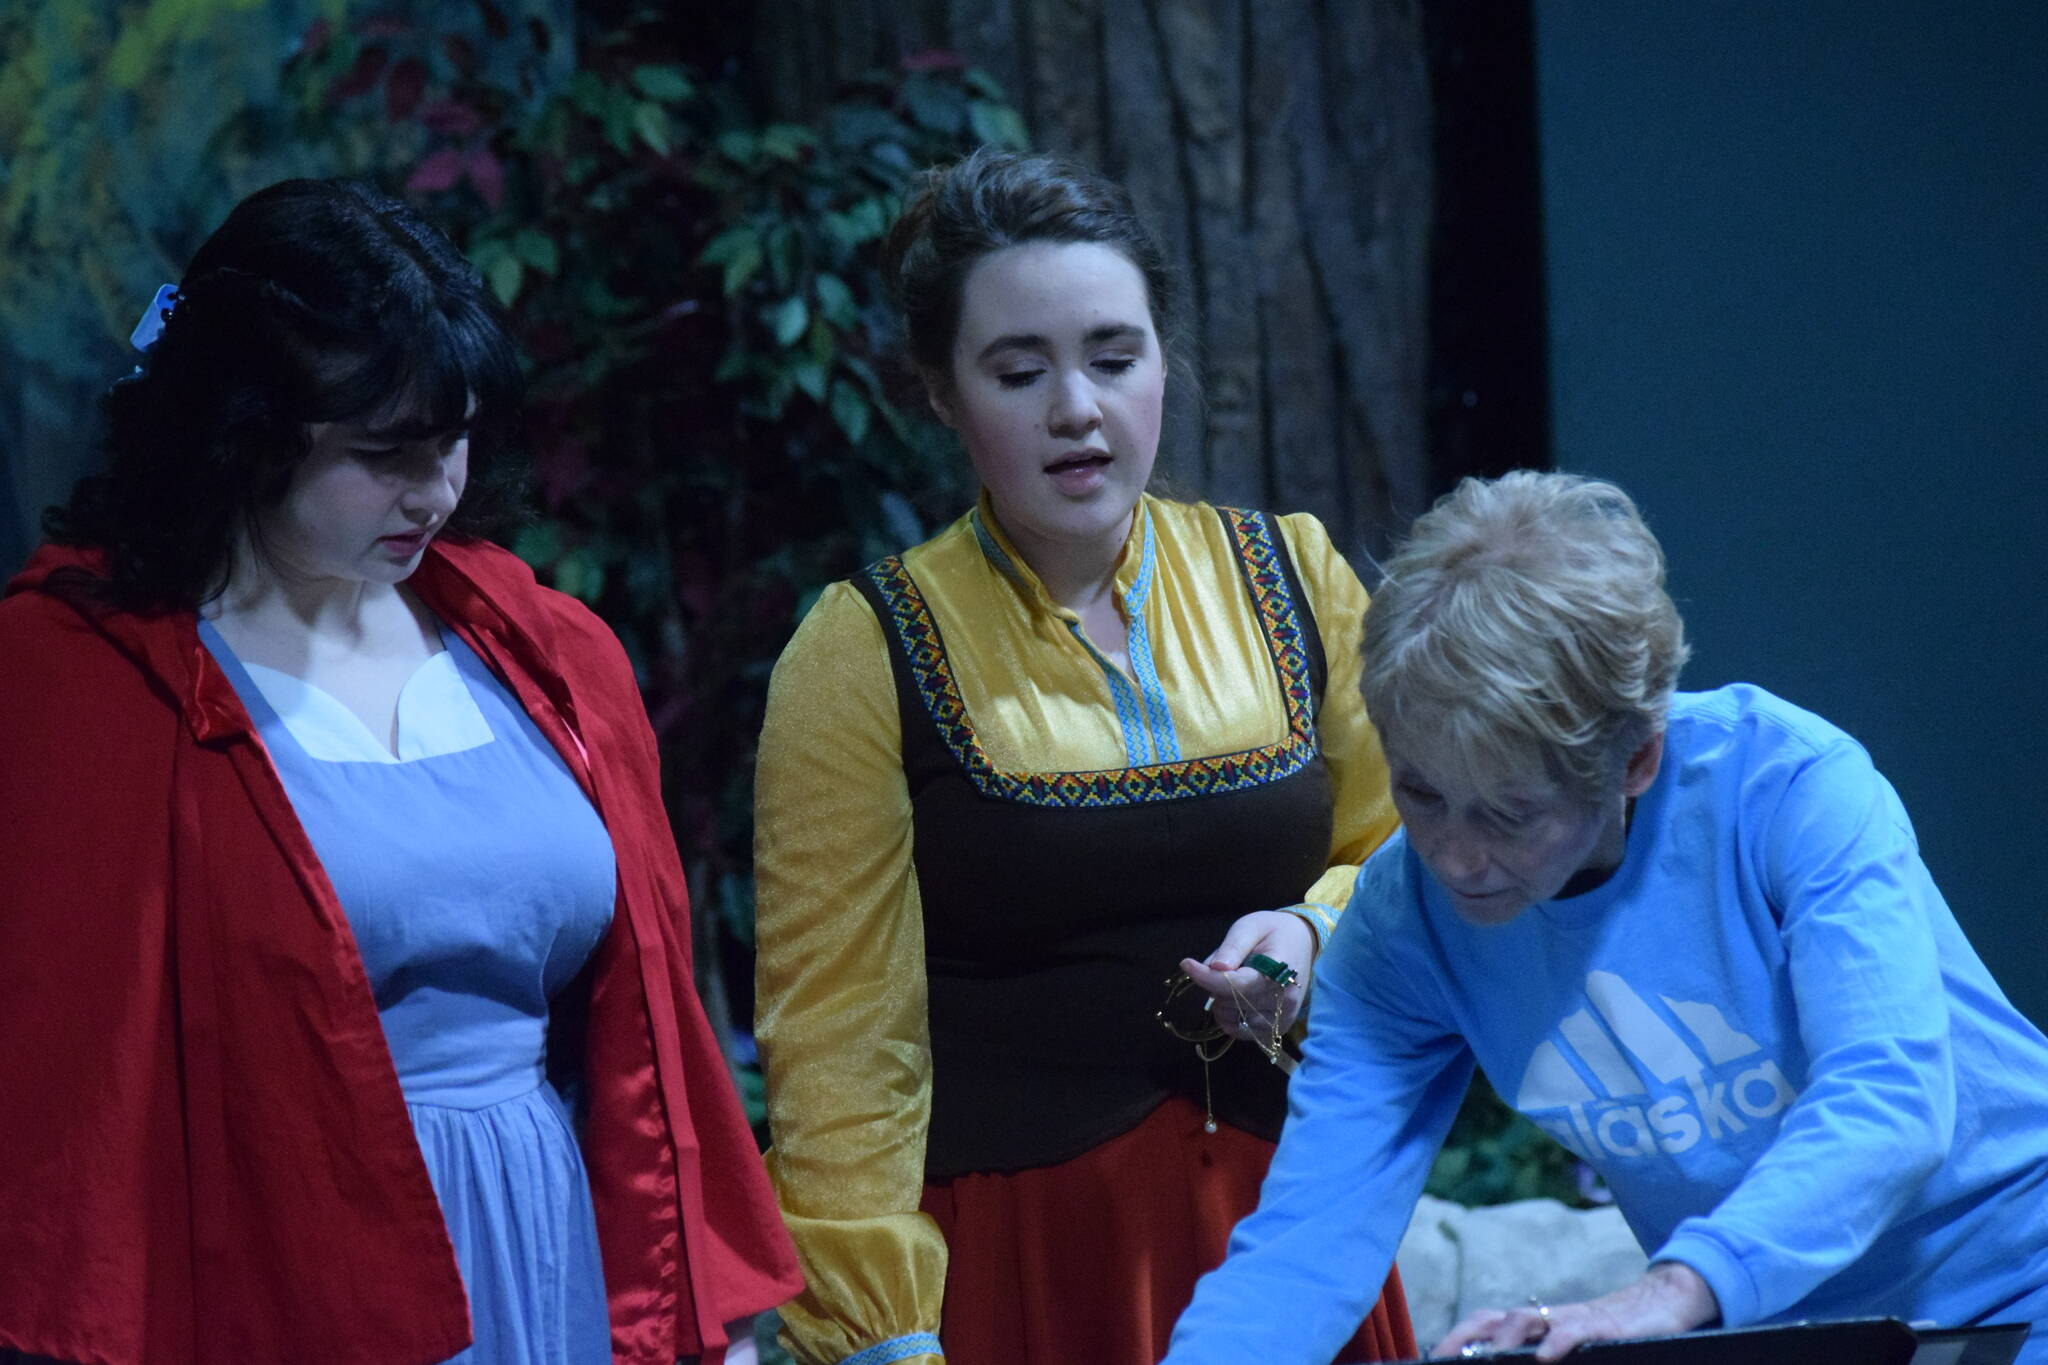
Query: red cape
pixel 204 1154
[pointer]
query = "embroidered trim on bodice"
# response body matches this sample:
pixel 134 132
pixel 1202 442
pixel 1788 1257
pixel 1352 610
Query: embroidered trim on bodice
pixel 1279 619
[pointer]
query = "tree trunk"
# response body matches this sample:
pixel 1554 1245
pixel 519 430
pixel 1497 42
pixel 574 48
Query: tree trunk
pixel 1282 148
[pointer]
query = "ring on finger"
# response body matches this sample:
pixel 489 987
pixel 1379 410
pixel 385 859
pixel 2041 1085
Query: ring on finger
pixel 1274 970
pixel 1542 1311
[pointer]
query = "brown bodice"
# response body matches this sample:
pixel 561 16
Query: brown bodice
pixel 1057 905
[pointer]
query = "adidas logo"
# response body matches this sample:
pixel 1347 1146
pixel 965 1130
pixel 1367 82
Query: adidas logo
pixel 1628 1119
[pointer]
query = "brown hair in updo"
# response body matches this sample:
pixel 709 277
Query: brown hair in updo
pixel 988 200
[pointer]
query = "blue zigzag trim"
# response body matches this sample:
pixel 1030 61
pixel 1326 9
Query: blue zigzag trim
pixel 1158 715
pixel 1137 744
pixel 896 1348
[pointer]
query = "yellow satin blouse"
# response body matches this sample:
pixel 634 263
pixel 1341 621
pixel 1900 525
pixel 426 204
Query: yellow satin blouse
pixel 840 977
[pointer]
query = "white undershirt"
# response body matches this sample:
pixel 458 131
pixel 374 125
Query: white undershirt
pixel 436 715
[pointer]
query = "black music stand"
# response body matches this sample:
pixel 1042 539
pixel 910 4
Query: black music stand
pixel 1970 1345
pixel 1858 1341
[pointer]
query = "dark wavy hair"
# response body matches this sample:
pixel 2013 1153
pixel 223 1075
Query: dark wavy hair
pixel 315 301
pixel 988 200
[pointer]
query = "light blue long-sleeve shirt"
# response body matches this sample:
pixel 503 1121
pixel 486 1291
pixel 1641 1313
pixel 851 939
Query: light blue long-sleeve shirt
pixel 1765 1031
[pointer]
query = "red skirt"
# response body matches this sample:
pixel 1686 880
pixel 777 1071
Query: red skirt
pixel 1093 1259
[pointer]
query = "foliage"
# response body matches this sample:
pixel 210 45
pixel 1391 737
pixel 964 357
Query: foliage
pixel 128 128
pixel 1494 1156
pixel 108 115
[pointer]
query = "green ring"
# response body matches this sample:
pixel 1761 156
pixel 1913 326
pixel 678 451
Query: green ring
pixel 1273 970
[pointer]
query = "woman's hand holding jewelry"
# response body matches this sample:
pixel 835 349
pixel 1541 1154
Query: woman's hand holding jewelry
pixel 1668 1299
pixel 1250 1004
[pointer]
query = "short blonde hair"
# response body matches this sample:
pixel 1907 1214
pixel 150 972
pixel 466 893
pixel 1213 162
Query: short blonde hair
pixel 1524 624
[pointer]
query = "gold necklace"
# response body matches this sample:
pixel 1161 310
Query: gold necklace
pixel 1178 985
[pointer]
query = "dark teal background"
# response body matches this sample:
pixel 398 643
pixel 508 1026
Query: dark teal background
pixel 1797 263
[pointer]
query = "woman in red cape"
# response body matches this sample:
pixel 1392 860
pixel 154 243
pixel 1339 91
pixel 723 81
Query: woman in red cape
pixel 216 1145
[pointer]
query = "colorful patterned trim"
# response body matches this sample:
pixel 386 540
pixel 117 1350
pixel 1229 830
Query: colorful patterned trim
pixel 896 1348
pixel 1279 618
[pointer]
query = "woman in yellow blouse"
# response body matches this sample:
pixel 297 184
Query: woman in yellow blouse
pixel 1008 781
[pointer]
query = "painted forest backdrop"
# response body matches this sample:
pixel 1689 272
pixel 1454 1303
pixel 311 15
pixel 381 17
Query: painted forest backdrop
pixel 679 209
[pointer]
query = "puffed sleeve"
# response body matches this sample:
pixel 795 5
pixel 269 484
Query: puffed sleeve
pixel 1363 812
pixel 841 996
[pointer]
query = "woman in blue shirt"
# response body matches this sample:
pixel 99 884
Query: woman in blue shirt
pixel 1688 934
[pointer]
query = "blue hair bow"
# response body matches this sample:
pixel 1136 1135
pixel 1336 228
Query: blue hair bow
pixel 152 325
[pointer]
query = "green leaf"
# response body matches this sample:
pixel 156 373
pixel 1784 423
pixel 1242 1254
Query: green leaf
pixel 810 375
pixel 983 84
pixel 619 126
pixel 868 377
pixel 864 222
pixel 590 94
pixel 854 126
pixel 598 300
pixel 871 218
pixel 933 105
pixel 610 107
pixel 737 144
pixel 835 300
pixel 895 159
pixel 732 367
pixel 998 125
pixel 728 244
pixel 745 261
pixel 662 82
pixel 537 249
pixel 899 425
pixel 824 345
pixel 485 251
pixel 652 123
pixel 788 319
pixel 841 228
pixel 850 411
pixel 580 574
pixel 787 141
pixel 505 273
pixel 540 544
